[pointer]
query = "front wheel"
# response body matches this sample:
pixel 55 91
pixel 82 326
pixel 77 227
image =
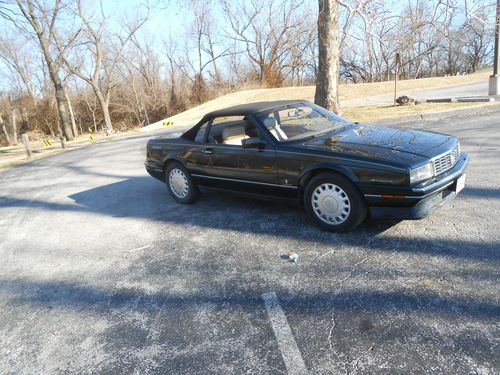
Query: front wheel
pixel 180 184
pixel 333 203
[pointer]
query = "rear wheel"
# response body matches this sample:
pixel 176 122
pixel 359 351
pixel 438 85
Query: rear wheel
pixel 180 184
pixel 333 203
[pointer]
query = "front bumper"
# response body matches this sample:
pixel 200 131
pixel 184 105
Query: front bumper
pixel 419 201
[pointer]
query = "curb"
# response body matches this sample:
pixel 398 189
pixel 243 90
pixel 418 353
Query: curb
pixel 459 100
pixel 430 116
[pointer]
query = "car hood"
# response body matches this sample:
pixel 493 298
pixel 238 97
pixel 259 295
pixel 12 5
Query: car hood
pixel 401 146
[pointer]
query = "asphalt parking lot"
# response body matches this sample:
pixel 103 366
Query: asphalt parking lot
pixel 102 273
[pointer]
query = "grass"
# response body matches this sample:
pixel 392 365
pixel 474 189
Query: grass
pixel 375 113
pixel 347 92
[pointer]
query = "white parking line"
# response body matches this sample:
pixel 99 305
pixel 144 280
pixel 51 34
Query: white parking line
pixel 139 249
pixel 286 343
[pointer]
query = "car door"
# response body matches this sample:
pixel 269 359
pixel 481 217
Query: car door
pixel 197 157
pixel 236 168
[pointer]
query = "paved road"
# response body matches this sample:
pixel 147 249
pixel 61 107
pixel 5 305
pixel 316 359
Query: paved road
pixel 469 89
pixel 103 273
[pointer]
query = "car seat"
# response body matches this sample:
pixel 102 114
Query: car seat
pixel 272 125
pixel 233 135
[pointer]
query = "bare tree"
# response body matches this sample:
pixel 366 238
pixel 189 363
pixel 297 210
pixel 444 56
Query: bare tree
pixel 144 69
pixel 203 29
pixel 170 50
pixel 105 58
pixel 264 29
pixel 197 58
pixel 301 62
pixel 478 41
pixel 18 61
pixel 43 22
pixel 328 55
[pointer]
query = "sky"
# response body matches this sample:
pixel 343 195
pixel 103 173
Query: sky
pixel 167 18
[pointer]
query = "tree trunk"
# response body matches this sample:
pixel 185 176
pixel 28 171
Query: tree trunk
pixel 450 68
pixel 328 55
pixel 5 132
pixel 107 118
pixel 71 113
pixel 58 88
pixel 52 65
pixel 104 103
pixel 25 125
pixel 94 122
pixel 14 127
pixel 62 109
pixel 52 134
pixel 13 122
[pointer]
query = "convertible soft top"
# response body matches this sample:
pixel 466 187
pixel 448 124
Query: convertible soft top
pixel 239 110
pixel 249 108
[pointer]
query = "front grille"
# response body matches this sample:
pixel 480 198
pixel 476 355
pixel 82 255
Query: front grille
pixel 446 161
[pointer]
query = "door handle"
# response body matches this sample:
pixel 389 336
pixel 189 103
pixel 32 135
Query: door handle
pixel 207 151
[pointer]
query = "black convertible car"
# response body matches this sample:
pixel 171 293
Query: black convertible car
pixel 338 170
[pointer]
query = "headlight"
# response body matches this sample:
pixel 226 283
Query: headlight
pixel 422 173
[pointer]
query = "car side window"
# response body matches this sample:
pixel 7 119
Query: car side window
pixel 200 135
pixel 231 130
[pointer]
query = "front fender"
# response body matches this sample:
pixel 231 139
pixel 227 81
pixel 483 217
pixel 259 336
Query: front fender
pixel 324 167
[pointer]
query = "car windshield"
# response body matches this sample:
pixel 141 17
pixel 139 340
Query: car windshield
pixel 300 121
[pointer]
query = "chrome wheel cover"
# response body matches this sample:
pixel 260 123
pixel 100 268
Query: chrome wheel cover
pixel 178 182
pixel 330 204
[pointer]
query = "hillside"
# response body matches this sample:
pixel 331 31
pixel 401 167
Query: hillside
pixel 350 95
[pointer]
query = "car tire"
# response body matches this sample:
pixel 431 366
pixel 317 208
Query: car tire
pixel 333 203
pixel 180 184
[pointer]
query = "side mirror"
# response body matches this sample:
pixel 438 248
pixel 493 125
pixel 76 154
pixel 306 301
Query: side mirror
pixel 253 142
